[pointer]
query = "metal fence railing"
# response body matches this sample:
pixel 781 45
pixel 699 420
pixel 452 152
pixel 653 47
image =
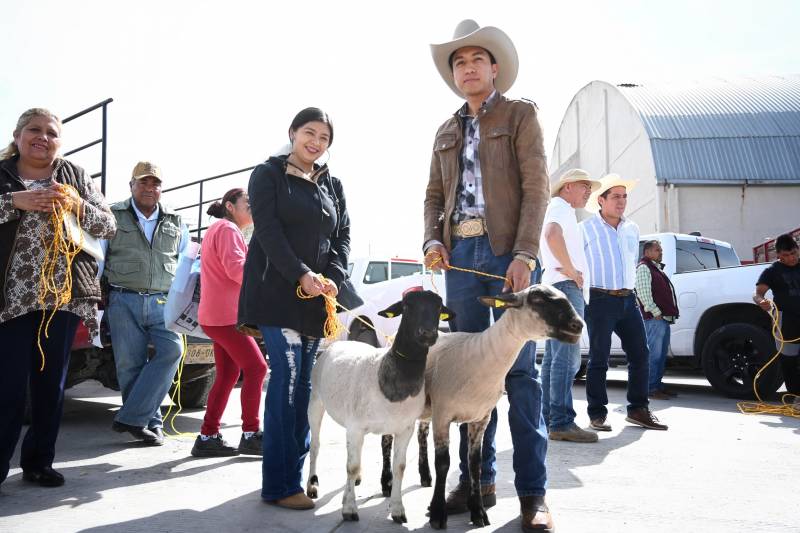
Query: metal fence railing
pixel 103 140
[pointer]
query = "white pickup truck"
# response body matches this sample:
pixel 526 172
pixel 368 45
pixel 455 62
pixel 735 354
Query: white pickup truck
pixel 720 329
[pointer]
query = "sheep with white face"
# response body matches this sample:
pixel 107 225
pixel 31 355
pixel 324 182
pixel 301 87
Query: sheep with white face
pixel 376 390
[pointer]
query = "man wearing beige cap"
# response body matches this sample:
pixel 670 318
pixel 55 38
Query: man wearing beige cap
pixel 140 263
pixel 564 264
pixel 484 205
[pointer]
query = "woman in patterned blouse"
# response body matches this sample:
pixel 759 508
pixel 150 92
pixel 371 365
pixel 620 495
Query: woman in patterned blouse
pixel 33 180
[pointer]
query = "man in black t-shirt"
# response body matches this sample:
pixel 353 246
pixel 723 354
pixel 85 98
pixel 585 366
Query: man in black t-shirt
pixel 783 278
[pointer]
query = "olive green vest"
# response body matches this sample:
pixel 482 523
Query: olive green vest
pixel 134 263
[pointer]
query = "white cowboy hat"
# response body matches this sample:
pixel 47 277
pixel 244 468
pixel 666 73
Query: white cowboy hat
pixel 571 176
pixel 607 182
pixel 468 33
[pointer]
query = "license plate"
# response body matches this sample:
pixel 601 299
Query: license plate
pixel 197 354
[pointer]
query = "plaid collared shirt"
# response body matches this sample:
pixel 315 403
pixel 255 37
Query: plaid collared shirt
pixel 470 202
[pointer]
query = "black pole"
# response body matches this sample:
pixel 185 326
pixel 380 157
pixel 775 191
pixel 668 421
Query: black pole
pixel 105 143
pixel 200 212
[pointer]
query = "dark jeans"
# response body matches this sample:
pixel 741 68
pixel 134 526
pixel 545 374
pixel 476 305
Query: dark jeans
pixel 287 436
pixel 528 431
pixel 19 367
pixel 606 314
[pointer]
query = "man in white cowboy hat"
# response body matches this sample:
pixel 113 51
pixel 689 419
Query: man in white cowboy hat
pixel 484 206
pixel 611 242
pixel 565 268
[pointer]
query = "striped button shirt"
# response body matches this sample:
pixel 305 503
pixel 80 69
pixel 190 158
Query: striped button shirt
pixel 611 253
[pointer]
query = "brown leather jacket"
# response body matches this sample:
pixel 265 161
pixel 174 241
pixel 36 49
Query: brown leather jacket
pixel 514 177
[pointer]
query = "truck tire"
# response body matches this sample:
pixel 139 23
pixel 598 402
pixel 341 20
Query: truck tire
pixel 196 382
pixel 733 354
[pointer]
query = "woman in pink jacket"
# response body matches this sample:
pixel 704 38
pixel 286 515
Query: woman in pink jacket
pixel 221 266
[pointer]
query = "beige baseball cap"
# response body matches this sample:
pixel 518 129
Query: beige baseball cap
pixel 144 169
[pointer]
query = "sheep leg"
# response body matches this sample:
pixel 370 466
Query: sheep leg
pixel 316 410
pixel 398 469
pixel 355 441
pixel 475 431
pixel 441 446
pixel 386 473
pixel 422 440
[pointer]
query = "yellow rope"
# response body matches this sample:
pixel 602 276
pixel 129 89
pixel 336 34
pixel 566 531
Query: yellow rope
pixel 60 245
pixel 437 258
pixel 760 407
pixel 333 326
pixel 175 398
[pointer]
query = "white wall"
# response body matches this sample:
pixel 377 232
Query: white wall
pixel 602 133
pixel 742 216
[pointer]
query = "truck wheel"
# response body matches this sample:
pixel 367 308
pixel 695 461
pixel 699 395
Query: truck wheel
pixel 196 382
pixel 362 333
pixel 733 354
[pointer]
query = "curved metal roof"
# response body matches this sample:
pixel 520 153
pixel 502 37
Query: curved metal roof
pixel 745 130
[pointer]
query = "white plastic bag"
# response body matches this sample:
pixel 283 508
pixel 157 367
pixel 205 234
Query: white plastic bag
pixel 183 300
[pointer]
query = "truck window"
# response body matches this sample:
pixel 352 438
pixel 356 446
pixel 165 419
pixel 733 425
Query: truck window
pixel 400 270
pixel 692 256
pixel 377 271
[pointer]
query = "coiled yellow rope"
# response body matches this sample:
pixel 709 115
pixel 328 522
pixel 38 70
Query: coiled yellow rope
pixel 60 245
pixel 333 326
pixel 760 407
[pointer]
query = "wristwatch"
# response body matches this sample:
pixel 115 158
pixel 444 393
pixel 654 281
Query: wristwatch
pixel 529 261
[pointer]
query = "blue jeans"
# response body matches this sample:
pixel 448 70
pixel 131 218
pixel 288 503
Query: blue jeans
pixel 136 320
pixel 287 436
pixel 20 367
pixel 618 314
pixel 528 431
pixel 657 345
pixel 560 363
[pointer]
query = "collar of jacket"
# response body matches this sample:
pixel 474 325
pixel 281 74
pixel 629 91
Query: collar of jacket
pixel 490 103
pixel 10 167
pixel 281 161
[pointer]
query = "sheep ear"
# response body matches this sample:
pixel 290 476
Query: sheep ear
pixel 446 314
pixel 396 309
pixel 501 300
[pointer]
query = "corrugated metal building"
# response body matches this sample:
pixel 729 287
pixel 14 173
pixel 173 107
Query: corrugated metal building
pixel 720 156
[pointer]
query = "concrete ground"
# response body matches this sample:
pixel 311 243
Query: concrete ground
pixel 714 470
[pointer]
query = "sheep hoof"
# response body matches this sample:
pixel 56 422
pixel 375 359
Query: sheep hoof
pixel 438 518
pixel 479 518
pixel 358 482
pixel 311 492
pixel 350 517
pixel 312 487
pixel 425 481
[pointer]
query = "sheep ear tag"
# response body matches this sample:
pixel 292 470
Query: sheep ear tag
pixel 389 314
pixel 499 303
pixel 444 316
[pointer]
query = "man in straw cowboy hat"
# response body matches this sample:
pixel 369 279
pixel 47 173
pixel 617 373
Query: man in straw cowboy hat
pixel 565 268
pixel 611 242
pixel 484 206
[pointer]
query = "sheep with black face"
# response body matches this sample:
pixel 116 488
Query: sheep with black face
pixel 376 390
pixel 465 378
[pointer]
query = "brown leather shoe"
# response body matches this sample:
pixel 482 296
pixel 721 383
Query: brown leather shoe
pixel 642 416
pixel 297 502
pixel 535 514
pixel 599 424
pixel 457 499
pixel 659 395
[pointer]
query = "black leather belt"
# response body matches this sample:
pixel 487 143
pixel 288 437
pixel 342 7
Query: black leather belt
pixel 613 292
pixel 132 291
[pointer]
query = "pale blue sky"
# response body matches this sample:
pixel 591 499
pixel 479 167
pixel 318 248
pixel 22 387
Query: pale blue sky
pixel 205 87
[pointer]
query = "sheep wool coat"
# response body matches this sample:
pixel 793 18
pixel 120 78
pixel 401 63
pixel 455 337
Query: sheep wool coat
pixel 299 226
